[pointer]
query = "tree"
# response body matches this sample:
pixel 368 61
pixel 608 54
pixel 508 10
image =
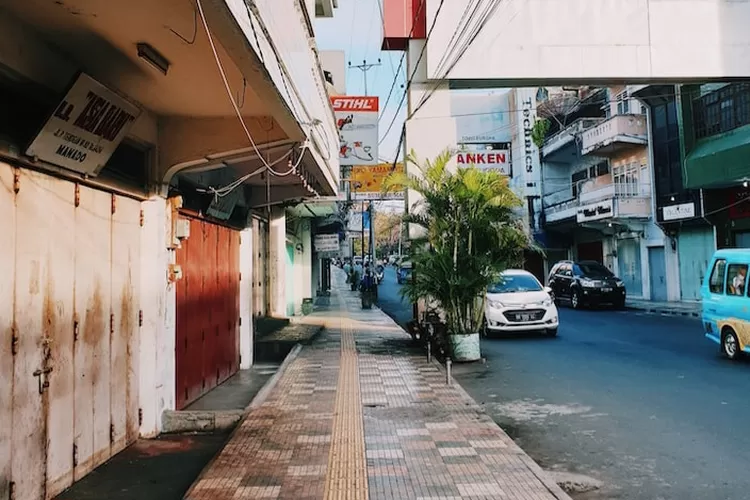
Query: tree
pixel 471 235
pixel 387 227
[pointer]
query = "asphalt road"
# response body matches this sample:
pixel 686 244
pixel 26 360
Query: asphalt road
pixel 642 403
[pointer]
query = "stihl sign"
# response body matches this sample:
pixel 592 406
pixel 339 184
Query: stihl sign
pixel 499 158
pixel 354 103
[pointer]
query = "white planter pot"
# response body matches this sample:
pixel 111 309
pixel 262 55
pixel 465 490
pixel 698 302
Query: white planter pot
pixel 465 347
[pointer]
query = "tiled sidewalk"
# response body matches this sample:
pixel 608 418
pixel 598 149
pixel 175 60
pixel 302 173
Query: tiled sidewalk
pixel 358 415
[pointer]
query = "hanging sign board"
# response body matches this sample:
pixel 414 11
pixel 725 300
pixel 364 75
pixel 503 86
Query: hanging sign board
pixel 85 128
pixel 326 243
pixel 595 211
pixel 357 122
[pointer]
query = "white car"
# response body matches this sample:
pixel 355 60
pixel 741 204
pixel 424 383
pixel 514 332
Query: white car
pixel 519 303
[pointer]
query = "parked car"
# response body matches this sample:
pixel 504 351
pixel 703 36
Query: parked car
pixel 725 299
pixel 404 273
pixel 585 283
pixel 519 303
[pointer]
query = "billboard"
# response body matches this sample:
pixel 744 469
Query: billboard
pixel 357 123
pixel 367 181
pixel 486 159
pixel 482 115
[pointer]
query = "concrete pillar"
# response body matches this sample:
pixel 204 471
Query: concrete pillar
pixel 277 262
pixel 307 288
pixel 158 297
pixel 246 298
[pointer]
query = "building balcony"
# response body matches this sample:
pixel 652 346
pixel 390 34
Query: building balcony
pixel 561 147
pixel 629 201
pixel 615 134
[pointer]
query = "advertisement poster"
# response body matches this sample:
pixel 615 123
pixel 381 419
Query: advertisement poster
pixel 367 181
pixel 486 159
pixel 357 123
pixel 482 115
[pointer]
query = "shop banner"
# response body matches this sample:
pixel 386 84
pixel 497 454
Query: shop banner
pixel 326 243
pixel 487 159
pixel 357 122
pixel 85 128
pixel 367 181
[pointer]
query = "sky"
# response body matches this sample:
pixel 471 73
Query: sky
pixel 357 29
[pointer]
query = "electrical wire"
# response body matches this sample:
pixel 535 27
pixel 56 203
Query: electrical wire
pixel 403 57
pixel 266 166
pixel 416 67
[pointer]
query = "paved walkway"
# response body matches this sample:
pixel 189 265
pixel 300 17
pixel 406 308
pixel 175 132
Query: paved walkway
pixel 358 415
pixel 676 308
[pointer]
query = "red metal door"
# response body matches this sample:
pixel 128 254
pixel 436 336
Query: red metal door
pixel 207 310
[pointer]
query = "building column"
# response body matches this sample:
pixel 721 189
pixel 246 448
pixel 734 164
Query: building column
pixel 158 333
pixel 277 262
pixel 246 298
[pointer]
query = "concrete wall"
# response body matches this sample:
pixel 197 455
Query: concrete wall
pixel 545 41
pixel 335 62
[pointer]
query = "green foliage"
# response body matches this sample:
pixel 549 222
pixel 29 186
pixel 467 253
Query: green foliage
pixel 539 132
pixel 471 234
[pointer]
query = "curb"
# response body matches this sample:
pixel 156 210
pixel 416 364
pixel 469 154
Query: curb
pixel 257 401
pixel 663 311
pixel 269 386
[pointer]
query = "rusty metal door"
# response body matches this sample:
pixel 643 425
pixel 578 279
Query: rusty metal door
pixel 67 347
pixel 207 342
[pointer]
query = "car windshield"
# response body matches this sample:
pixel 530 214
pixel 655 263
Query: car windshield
pixel 515 283
pixel 594 270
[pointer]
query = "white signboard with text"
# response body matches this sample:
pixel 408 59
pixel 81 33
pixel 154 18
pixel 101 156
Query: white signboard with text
pixel 490 159
pixel 482 115
pixel 677 212
pixel 86 128
pixel 357 122
pixel 595 211
pixel 326 243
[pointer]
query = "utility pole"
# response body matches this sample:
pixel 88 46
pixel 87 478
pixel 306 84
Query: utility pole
pixel 372 233
pixel 365 67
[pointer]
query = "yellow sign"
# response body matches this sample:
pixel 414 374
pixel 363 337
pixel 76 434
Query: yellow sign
pixel 369 179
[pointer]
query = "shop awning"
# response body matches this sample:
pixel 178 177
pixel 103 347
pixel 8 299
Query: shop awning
pixel 719 161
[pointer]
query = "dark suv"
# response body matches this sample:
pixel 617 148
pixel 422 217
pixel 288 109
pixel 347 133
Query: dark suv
pixel 586 283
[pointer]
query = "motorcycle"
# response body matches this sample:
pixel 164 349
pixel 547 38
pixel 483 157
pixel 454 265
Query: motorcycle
pixel 379 274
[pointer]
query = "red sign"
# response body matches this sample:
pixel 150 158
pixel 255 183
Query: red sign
pixel 354 103
pixel 482 159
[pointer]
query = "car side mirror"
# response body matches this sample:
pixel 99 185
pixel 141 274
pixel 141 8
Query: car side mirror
pixel 547 289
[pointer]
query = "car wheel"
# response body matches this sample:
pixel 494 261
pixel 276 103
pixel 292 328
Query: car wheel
pixel 483 329
pixel 552 332
pixel 620 304
pixel 730 346
pixel 575 300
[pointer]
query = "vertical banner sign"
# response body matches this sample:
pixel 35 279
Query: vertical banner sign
pixel 85 128
pixel 357 122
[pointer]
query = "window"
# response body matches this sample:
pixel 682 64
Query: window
pixel 577 178
pixel 566 270
pixel 722 110
pixel 623 103
pixel 736 275
pixel 626 179
pixel 598 169
pixel 511 283
pixel 716 282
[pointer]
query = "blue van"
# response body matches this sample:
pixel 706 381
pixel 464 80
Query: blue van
pixel 726 301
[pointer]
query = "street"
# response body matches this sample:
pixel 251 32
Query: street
pixel 642 403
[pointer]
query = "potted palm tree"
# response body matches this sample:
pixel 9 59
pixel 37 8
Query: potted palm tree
pixel 470 234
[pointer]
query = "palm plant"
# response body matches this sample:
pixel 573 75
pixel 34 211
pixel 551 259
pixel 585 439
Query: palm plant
pixel 470 235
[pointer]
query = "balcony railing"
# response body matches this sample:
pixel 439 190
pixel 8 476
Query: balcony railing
pixel 568 134
pixel 631 199
pixel 619 130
